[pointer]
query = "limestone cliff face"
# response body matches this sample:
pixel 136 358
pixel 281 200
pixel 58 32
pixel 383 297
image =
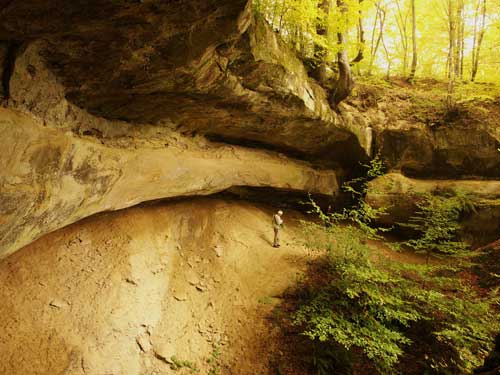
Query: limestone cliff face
pixel 426 152
pixel 111 91
pixel 454 151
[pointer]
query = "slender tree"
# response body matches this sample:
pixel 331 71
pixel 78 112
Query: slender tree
pixel 361 39
pixel 402 24
pixel 388 58
pixel 458 40
pixel 321 53
pixel 375 41
pixel 345 81
pixel 414 42
pixel 450 13
pixel 319 29
pixel 478 39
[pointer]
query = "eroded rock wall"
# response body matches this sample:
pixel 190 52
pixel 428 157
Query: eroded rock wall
pixel 112 92
pixel 121 81
pixel 51 177
pixel 199 67
pixel 417 136
pixel 455 151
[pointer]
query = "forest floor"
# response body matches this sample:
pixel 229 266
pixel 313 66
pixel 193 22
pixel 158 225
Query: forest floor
pixel 425 101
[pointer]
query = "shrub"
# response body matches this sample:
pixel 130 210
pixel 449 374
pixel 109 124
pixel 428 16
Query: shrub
pixel 383 308
pixel 436 223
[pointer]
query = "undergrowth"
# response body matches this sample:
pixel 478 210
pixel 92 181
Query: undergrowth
pixel 382 313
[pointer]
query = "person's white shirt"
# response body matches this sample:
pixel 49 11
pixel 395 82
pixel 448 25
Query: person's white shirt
pixel 277 220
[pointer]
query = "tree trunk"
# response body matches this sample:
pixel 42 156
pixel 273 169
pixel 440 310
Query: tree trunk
pixel 451 52
pixel 458 37
pixel 283 12
pixel 380 16
pixel 474 39
pixel 321 53
pixel 361 39
pixel 462 49
pixel 479 41
pixel 303 48
pixel 401 22
pixel 275 13
pixel 387 56
pixel 414 42
pixel 345 81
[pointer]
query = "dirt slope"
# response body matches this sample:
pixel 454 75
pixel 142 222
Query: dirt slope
pixel 121 293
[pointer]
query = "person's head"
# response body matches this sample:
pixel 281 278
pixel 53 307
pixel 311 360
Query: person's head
pixel 280 212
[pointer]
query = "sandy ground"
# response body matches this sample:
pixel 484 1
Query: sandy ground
pixel 122 293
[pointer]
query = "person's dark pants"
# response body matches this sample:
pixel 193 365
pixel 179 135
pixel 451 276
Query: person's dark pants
pixel 276 242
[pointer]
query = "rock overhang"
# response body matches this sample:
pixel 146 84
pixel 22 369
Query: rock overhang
pixel 207 67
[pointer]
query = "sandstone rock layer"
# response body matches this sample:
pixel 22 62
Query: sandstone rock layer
pixel 51 178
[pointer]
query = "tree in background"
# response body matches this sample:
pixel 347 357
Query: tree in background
pixel 451 61
pixel 361 38
pixel 443 39
pixel 321 50
pixel 319 31
pixel 401 17
pixel 479 29
pixel 413 41
pixel 345 82
pixel 376 37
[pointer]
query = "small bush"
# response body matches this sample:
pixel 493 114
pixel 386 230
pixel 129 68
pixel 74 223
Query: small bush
pixel 437 223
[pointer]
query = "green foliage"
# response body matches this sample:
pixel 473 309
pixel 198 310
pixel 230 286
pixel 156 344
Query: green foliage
pixel 386 44
pixel 373 306
pixel 358 305
pixel 214 361
pixel 300 23
pixel 346 238
pixel 385 309
pixel 296 20
pixel 437 224
pixel 360 213
pixel 358 309
pixel 177 364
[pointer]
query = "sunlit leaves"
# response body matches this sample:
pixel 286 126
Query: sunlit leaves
pixel 299 20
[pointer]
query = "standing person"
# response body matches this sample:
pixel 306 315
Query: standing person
pixel 277 223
